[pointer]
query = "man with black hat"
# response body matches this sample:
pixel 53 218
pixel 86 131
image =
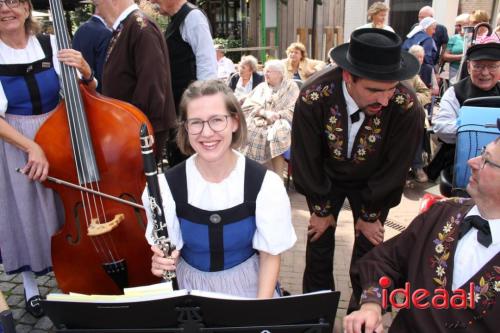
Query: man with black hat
pixel 454 246
pixel 483 66
pixel 354 135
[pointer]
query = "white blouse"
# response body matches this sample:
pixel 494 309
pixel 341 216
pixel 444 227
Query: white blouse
pixel 242 91
pixel 31 53
pixel 275 233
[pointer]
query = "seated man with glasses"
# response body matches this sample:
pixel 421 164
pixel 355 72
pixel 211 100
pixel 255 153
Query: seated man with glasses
pixel 454 244
pixel 484 68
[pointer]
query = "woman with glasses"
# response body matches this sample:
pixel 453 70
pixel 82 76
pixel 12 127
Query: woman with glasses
pixel 29 91
pixel 269 112
pixel 228 217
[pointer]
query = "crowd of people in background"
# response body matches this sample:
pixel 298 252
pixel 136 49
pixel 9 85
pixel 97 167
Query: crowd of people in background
pixel 352 129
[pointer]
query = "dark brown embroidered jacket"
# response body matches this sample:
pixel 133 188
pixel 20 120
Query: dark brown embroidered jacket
pixel 423 255
pixel 382 151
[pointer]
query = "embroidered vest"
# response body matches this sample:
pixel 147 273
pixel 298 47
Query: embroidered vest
pixel 217 240
pixel 31 89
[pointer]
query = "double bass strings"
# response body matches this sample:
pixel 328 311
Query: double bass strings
pixel 82 150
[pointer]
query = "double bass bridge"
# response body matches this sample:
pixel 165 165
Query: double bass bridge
pixel 96 229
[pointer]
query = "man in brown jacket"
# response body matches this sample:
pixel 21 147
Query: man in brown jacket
pixel 137 68
pixel 451 250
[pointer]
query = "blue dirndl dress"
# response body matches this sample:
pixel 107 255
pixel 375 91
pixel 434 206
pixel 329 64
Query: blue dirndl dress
pixel 29 212
pixel 217 254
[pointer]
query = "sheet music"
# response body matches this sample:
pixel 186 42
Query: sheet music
pixel 152 292
pixel 210 294
pixel 138 294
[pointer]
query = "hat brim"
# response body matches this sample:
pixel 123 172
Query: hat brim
pixel 487 51
pixel 409 66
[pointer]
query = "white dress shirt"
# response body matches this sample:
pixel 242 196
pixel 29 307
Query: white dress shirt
pixel 124 15
pixel 242 91
pixel 444 122
pixel 470 255
pixel 225 67
pixel 352 129
pixel 196 32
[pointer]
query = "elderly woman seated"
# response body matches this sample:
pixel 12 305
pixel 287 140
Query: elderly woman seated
pixel 298 65
pixel 269 112
pixel 246 79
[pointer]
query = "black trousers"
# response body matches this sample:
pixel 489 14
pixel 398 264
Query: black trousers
pixel 445 157
pixel 318 273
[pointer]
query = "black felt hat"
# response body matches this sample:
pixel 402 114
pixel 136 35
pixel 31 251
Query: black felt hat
pixel 376 54
pixel 487 51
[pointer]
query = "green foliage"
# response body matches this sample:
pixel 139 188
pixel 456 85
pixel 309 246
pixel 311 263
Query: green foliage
pixel 150 10
pixel 230 43
pixel 80 15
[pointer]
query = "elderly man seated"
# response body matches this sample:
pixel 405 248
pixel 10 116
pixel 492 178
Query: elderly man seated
pixel 447 260
pixel 484 69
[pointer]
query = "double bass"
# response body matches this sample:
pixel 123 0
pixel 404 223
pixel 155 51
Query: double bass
pixel 93 141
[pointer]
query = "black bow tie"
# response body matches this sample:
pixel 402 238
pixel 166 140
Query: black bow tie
pixel 355 117
pixel 482 226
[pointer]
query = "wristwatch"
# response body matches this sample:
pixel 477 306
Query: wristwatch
pixel 90 79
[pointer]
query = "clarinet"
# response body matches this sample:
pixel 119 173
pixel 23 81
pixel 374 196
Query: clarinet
pixel 160 232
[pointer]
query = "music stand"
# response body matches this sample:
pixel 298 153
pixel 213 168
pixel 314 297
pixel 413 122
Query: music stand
pixel 311 313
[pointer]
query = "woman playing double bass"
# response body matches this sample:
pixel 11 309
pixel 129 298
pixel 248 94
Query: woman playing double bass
pixel 29 91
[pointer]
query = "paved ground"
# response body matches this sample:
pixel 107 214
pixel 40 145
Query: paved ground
pixel 292 261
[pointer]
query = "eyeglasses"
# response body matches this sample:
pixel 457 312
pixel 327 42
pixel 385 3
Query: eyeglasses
pixel 216 123
pixel 489 67
pixel 10 3
pixel 485 160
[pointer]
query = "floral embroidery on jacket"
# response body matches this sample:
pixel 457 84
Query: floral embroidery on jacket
pixel 334 133
pixel 489 285
pixel 313 93
pixel 371 294
pixel 369 216
pixel 368 134
pixel 323 209
pixel 443 244
pixel 402 98
pixel 140 20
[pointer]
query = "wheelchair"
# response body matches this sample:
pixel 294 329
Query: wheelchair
pixel 478 125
